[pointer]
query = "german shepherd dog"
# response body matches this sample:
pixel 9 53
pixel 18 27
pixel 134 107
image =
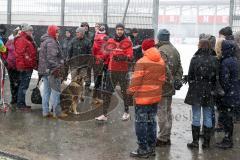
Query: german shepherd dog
pixel 71 95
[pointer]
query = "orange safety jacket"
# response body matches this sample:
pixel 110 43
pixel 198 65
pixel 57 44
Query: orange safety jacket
pixel 148 78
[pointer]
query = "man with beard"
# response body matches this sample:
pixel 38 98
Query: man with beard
pixel 120 52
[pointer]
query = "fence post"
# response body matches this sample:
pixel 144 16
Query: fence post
pixel 62 12
pixel 155 17
pixel 125 12
pixel 105 11
pixel 9 11
pixel 231 16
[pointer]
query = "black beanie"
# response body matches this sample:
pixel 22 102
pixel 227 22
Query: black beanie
pixel 226 31
pixel 120 25
pixel 163 35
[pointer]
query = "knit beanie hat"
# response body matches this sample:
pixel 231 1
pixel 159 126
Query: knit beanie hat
pixel 26 27
pixel 120 25
pixel 163 35
pixel 147 44
pixel 81 30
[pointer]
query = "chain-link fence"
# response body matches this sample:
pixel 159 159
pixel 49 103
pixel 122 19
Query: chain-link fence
pixel 235 14
pixel 135 13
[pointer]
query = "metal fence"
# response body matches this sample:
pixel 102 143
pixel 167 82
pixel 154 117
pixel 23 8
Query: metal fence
pixel 235 14
pixel 135 13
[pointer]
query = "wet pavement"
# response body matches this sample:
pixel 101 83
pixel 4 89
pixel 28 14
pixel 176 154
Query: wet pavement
pixel 30 136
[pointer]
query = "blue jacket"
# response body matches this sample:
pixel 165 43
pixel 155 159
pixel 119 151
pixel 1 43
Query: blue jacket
pixel 229 75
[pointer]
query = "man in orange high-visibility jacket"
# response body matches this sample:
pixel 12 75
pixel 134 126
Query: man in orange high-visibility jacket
pixel 146 88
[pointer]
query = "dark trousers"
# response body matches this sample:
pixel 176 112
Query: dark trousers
pixel 146 125
pixel 24 79
pixel 99 71
pixel 226 116
pixel 89 72
pixel 14 83
pixel 112 79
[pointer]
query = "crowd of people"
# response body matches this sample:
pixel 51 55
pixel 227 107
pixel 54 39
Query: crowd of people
pixel 213 78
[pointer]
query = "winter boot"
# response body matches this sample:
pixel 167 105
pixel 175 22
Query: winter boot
pixel 195 135
pixel 225 144
pixel 139 153
pixel 227 141
pixel 201 135
pixel 206 137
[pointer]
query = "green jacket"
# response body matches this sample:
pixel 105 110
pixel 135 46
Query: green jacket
pixel 80 47
pixel 174 69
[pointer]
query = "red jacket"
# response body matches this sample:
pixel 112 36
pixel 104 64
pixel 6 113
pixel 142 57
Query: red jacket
pixel 119 49
pixel 97 50
pixel 25 52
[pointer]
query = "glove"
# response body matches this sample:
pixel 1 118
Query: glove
pixel 177 84
pixel 185 79
pixel 120 58
pixel 56 73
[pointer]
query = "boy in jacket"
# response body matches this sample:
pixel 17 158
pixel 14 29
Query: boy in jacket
pixel 146 88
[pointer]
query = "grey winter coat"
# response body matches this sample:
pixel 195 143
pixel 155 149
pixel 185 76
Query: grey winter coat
pixel 50 55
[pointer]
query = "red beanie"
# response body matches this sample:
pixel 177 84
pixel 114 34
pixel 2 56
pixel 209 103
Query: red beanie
pixel 52 30
pixel 148 43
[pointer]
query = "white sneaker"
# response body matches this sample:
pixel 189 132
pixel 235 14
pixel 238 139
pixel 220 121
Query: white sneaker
pixel 126 116
pixel 101 118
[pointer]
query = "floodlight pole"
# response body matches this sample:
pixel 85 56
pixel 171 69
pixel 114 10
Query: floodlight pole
pixel 125 12
pixel 231 13
pixel 9 11
pixel 155 13
pixel 105 11
pixel 62 12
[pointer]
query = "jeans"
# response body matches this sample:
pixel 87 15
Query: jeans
pixel 54 101
pixel 24 78
pixel 146 125
pixel 207 116
pixel 45 93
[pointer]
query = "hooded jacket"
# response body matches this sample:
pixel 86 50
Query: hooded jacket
pixel 50 55
pixel 25 52
pixel 229 75
pixel 148 78
pixel 98 52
